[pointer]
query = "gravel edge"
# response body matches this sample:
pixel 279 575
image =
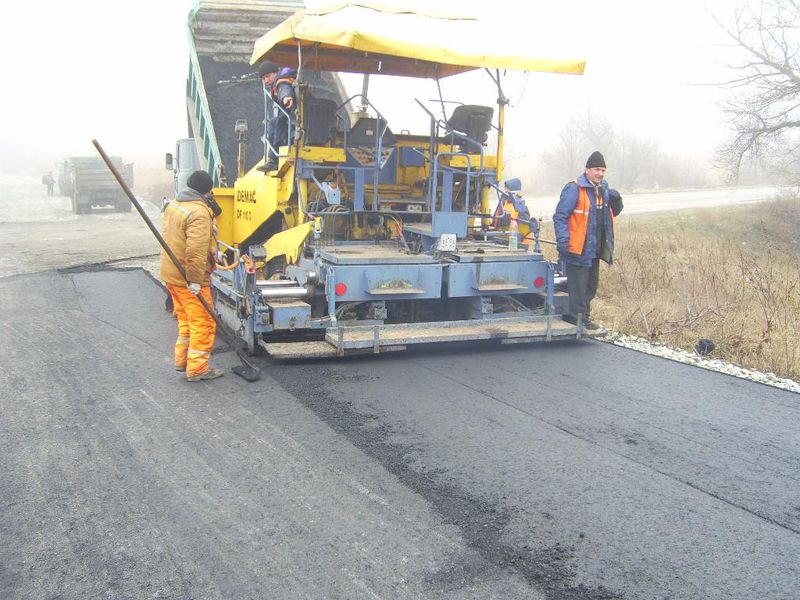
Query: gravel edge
pixel 692 358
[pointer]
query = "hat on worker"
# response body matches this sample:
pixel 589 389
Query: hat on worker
pixel 267 67
pixel 514 185
pixel 596 160
pixel 200 181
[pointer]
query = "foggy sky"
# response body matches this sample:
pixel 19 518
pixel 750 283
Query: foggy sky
pixel 116 71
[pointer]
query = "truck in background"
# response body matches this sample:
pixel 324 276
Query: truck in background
pixel 89 184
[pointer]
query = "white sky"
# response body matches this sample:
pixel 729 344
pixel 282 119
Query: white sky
pixel 115 71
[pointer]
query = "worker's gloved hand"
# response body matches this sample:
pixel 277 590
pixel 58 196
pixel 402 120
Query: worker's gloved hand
pixel 194 288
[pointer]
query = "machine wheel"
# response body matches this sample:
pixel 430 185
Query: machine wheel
pixel 78 207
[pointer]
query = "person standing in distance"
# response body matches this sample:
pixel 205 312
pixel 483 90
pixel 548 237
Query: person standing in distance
pixel 584 226
pixel 49 181
pixel 279 84
pixel 190 232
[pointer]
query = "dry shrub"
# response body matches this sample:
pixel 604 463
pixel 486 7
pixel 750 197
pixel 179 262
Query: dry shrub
pixel 716 274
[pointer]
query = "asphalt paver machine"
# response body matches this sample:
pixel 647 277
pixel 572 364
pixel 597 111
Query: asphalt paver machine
pixel 366 238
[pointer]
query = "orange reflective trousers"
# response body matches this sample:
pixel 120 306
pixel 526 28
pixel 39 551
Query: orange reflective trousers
pixel 196 329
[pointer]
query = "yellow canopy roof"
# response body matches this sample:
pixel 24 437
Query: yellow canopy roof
pixel 363 37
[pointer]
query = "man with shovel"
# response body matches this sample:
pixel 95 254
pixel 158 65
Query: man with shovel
pixel 190 231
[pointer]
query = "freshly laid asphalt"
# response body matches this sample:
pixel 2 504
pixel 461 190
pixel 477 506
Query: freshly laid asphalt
pixel 566 471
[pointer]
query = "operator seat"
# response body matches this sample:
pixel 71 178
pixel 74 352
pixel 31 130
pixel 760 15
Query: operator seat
pixel 364 133
pixel 362 146
pixel 320 120
pixel 473 120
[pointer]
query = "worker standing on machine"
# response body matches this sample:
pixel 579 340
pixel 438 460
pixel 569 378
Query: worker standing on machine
pixel 279 84
pixel 190 232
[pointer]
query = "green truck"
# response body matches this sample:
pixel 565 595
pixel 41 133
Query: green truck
pixel 89 184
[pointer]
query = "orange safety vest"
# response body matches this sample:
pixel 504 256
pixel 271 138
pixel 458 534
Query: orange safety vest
pixel 508 206
pixel 578 221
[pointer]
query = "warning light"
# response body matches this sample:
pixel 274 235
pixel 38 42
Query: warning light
pixel 340 289
pixel 538 282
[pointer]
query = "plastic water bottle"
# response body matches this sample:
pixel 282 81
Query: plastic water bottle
pixel 512 235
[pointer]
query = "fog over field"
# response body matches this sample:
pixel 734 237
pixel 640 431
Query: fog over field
pixel 117 72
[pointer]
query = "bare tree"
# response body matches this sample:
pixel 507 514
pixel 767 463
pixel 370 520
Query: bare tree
pixel 764 107
pixel 634 162
pixel 578 138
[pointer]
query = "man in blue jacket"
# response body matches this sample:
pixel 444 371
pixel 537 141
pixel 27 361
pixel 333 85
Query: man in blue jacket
pixel 584 226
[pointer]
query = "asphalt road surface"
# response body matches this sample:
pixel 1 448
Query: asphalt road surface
pixel 568 471
pixel 579 470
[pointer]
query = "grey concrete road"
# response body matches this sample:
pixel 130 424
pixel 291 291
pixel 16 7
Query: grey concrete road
pixel 575 471
pixel 668 201
pixel 40 233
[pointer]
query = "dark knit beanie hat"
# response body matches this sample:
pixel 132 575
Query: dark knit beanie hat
pixel 200 181
pixel 596 160
pixel 267 67
pixel 514 185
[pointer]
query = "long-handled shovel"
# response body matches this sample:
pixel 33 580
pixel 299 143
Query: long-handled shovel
pixel 247 370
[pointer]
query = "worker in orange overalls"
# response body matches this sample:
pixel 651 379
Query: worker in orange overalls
pixel 190 232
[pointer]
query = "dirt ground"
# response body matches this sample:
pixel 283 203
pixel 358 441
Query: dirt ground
pixel 40 233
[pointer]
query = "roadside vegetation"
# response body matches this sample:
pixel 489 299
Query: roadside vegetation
pixel 731 275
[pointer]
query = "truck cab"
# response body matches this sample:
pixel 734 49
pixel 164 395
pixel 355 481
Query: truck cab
pixel 184 162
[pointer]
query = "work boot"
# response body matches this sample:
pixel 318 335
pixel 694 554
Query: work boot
pixel 269 166
pixel 212 373
pixel 180 368
pixel 590 325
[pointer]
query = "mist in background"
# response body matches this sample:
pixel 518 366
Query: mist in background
pixel 116 71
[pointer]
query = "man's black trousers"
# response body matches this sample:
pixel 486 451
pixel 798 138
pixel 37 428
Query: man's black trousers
pixel 582 287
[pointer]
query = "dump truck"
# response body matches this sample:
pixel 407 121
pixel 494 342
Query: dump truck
pixel 224 95
pixel 368 237
pixel 88 183
pixel 183 163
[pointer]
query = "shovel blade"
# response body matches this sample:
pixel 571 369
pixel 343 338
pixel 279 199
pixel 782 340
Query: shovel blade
pixel 247 373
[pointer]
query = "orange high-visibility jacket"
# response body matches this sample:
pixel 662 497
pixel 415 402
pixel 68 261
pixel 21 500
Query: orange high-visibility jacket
pixel 190 232
pixel 576 238
pixel 578 222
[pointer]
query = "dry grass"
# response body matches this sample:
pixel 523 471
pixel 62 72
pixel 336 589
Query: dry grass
pixel 731 275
